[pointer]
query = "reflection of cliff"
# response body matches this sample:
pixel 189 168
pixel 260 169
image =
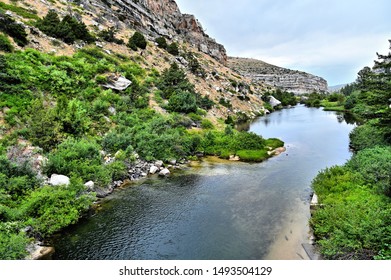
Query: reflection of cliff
pixel 292 81
pixel 162 18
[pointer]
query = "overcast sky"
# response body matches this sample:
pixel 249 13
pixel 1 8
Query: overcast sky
pixel 333 39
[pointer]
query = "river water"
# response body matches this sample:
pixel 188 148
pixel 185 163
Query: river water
pixel 218 209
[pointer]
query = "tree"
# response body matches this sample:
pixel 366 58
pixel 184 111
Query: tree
pixel 173 49
pixel 182 102
pixel 161 42
pixel 137 41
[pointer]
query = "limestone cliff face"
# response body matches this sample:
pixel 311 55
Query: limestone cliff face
pixel 290 80
pixel 162 18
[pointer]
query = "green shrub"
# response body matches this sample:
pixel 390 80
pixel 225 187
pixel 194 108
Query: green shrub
pixel 161 42
pixel 109 36
pixel 12 245
pixel 69 29
pixel 137 41
pixel 78 157
pixel 52 208
pixel 13 29
pixel 274 143
pixel 374 165
pixel 173 49
pixel 252 155
pixel 207 124
pixel 182 102
pixel 367 135
pixel 5 44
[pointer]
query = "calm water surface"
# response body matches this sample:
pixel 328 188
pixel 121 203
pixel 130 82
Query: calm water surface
pixel 219 209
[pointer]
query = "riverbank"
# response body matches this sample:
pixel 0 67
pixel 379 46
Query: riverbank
pixel 218 209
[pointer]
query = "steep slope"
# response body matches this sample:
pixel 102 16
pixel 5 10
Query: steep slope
pixel 289 80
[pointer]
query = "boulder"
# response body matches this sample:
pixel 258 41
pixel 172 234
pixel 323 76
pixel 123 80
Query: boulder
pixel 274 102
pixel 56 180
pixel 118 83
pixel 164 173
pixel 90 185
pixel 159 163
pixel 153 169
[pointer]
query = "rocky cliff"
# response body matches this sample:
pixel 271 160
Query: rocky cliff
pixel 158 18
pixel 290 80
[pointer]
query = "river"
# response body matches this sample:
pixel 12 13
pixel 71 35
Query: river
pixel 218 209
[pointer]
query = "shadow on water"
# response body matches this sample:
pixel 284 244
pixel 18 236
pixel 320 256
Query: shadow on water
pixel 219 209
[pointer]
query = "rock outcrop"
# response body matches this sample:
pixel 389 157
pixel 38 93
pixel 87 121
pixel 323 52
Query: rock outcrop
pixel 159 18
pixel 294 81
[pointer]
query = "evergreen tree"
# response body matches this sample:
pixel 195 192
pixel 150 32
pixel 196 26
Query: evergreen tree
pixel 137 41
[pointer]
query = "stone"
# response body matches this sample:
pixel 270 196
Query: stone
pixel 90 185
pixel 56 180
pixel 37 252
pixel 153 169
pixel 274 102
pixel 159 163
pixel 165 172
pixel 118 83
pixel 172 161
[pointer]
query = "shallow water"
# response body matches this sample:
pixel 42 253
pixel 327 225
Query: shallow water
pixel 219 209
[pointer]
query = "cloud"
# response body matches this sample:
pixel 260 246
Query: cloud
pixel 332 37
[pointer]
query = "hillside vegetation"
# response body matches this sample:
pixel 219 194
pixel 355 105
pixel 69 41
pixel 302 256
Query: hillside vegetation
pixel 354 221
pixel 62 111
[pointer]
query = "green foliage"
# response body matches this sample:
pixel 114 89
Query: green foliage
pixel 13 29
pixel 51 208
pixel 207 124
pixel 16 179
pixel 174 79
pixel 5 44
pixel 173 49
pixel 161 42
pixel 68 29
pixel 367 136
pixel 182 102
pixel 286 98
pixel 274 143
pixel 12 245
pixel 109 36
pixel 137 41
pixel 252 155
pixel 353 222
pixel 29 14
pixel 79 158
pixel 374 164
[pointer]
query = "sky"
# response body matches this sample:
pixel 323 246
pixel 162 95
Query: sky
pixel 333 39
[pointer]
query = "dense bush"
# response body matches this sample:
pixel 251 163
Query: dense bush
pixel 354 221
pixel 109 36
pixel 374 164
pixel 13 29
pixel 79 158
pixel 173 49
pixel 161 42
pixel 68 29
pixel 137 41
pixel 182 102
pixel 5 44
pixel 367 136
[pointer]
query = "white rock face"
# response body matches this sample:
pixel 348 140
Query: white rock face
pixel 56 180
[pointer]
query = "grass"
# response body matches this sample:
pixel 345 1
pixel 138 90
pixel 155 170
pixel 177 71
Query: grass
pixel 20 11
pixel 253 155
